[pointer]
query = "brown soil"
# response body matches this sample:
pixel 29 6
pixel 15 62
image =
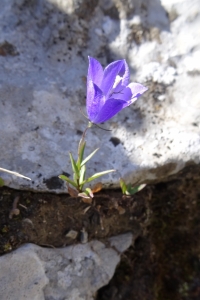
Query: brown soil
pixel 164 262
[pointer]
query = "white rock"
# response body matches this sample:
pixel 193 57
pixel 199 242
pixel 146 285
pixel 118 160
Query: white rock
pixel 43 87
pixel 192 62
pixel 136 20
pixel 99 31
pixel 107 25
pixel 75 272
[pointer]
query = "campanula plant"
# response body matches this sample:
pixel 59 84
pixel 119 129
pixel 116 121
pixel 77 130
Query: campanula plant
pixel 108 92
pixel 79 170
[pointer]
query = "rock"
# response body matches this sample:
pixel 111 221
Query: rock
pixel 84 236
pixel 75 272
pixel 43 61
pixel 72 234
pixel 122 243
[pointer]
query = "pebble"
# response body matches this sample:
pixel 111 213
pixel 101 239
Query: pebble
pixel 84 236
pixel 72 234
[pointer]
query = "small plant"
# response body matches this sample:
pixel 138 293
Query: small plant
pixel 79 172
pixel 128 190
pixel 108 92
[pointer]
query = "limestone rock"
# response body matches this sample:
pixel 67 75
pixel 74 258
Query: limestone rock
pixel 43 66
pixel 75 272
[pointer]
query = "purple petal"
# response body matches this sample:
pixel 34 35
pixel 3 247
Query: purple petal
pixel 109 76
pixel 95 100
pixel 129 94
pixel 137 89
pixel 109 110
pixel 125 74
pixel 95 71
pixel 124 94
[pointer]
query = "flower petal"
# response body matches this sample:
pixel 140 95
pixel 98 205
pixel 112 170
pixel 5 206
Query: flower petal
pixel 125 74
pixel 95 71
pixel 124 94
pixel 95 100
pixel 109 110
pixel 109 76
pixel 129 94
pixel 137 89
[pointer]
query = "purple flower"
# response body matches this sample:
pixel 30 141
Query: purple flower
pixel 109 90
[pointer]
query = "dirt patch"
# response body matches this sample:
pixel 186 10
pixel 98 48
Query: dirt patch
pixel 45 219
pixel 164 262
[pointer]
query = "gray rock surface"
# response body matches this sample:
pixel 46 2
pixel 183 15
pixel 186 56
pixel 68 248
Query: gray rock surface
pixel 44 46
pixel 75 272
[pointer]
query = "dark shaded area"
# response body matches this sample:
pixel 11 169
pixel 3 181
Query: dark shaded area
pixel 164 262
pixel 53 183
pixel 110 11
pixel 115 141
pixel 8 49
pixel 85 8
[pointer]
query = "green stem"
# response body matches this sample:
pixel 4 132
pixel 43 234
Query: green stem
pixel 80 144
pixel 84 133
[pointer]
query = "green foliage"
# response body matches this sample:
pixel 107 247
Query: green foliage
pixel 89 157
pixel 79 172
pixel 128 190
pixel 96 175
pixel 65 178
pixel 1 182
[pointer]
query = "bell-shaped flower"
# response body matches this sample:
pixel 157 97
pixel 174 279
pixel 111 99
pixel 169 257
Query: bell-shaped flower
pixel 109 90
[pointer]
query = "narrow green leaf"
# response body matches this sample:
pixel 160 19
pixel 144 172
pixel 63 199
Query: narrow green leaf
pixel 1 182
pixel 128 189
pixel 82 174
pixel 134 190
pixel 81 150
pixel 129 186
pixel 97 175
pixel 89 192
pixel 82 141
pixel 65 178
pixel 141 187
pixel 88 157
pixel 74 166
pixel 123 186
pixel 75 178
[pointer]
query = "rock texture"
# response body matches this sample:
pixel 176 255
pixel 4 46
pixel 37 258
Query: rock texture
pixel 44 46
pixel 75 272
